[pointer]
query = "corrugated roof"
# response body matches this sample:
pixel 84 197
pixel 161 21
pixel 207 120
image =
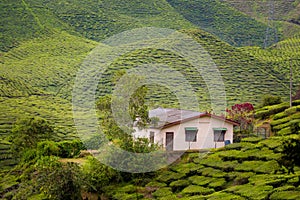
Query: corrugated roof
pixel 170 116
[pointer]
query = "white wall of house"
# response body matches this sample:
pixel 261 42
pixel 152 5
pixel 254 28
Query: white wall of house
pixel 205 135
pixel 145 133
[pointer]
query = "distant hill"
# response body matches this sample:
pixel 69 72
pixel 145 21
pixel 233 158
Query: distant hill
pixel 222 20
pixel 281 57
pixel 97 20
pixel 286 14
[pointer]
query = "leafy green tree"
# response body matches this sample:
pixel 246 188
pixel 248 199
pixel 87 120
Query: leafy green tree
pixel 58 180
pixel 49 178
pixel 27 132
pixel 122 136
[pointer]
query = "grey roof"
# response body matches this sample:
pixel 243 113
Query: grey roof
pixel 169 115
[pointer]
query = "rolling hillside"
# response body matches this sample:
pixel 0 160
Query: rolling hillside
pixel 286 14
pixel 43 44
pixel 224 21
pixel 281 57
pixel 246 170
pixel 239 171
pixel 45 68
pixel 26 19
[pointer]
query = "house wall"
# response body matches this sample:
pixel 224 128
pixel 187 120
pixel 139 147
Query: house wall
pixel 205 135
pixel 145 133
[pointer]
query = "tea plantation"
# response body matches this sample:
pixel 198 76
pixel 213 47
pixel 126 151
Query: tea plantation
pixel 245 170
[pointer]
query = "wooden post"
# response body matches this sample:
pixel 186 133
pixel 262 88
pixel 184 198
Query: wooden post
pixel 291 84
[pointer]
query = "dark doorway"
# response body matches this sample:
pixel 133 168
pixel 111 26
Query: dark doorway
pixel 169 141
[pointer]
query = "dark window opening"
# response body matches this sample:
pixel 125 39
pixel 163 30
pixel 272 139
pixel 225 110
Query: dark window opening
pixel 191 134
pixel 219 134
pixel 151 137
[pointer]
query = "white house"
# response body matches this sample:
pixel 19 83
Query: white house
pixel 179 130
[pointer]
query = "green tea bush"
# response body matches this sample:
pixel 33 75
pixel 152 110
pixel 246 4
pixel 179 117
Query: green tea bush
pixel 224 196
pixel 200 180
pixel 98 175
pixel 48 148
pixel 270 100
pixel 218 184
pixel 162 192
pixel 70 149
pixel 196 190
pixel 179 185
pixel 285 195
pixel 168 177
pixel 251 191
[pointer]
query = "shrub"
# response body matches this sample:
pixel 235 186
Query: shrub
pixel 168 177
pixel 156 184
pixel 252 191
pixel 179 185
pixel 285 195
pixel 200 180
pixel 70 149
pixel 217 184
pixel 161 192
pixel 270 100
pixel 48 148
pixel 99 175
pixel 124 196
pixel 196 190
pixel 224 196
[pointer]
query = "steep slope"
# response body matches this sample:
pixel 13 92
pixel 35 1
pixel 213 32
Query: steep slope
pixel 281 57
pixel 21 21
pixel 240 171
pixel 97 20
pixel 285 13
pixel 36 79
pixel 282 117
pixel 223 21
pixel 47 63
pixel 245 78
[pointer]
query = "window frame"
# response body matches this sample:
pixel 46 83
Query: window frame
pixel 221 136
pixel 189 131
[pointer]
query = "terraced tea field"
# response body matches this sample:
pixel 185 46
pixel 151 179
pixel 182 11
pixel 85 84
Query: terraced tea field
pixel 243 170
pixel 224 21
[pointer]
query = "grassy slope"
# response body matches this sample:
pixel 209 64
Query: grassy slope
pixel 245 78
pixel 279 58
pixel 224 21
pixel 281 117
pixel 97 20
pixel 47 63
pixel 240 171
pixel 284 13
pixel 36 80
pixel 21 21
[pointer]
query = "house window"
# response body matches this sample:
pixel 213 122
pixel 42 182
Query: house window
pixel 191 134
pixel 219 134
pixel 151 137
